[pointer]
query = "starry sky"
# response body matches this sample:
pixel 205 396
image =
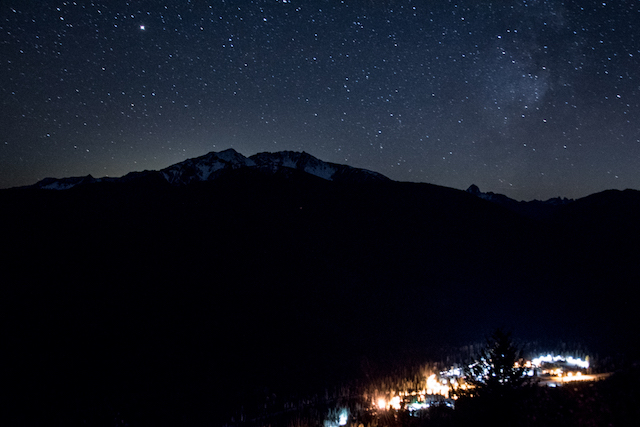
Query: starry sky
pixel 530 98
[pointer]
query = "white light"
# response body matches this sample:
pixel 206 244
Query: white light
pixel 343 417
pixel 395 402
pixel 417 406
pixel 569 360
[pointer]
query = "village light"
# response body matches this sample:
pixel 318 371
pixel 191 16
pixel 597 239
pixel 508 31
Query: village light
pixel 395 402
pixel 440 386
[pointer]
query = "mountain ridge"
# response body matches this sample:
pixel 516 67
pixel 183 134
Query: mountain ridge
pixel 214 164
pixel 535 209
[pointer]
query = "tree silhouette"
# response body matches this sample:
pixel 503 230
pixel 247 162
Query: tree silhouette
pixel 497 379
pixel 499 369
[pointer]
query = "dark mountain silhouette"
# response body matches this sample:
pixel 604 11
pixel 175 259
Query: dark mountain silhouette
pixel 214 165
pixel 171 296
pixel 536 209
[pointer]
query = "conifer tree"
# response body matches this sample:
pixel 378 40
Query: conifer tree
pixel 497 378
pixel 499 369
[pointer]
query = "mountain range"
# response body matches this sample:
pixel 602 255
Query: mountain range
pixel 183 293
pixel 214 165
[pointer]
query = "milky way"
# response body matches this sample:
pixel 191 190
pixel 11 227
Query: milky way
pixel 533 99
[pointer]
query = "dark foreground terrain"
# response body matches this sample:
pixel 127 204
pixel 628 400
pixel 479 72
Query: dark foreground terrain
pixel 143 303
pixel 609 402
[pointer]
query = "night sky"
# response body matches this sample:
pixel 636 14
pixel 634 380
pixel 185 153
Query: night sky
pixel 532 99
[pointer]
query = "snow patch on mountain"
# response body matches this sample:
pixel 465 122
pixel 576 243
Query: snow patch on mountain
pixel 64 183
pixel 300 161
pixel 234 158
pixel 205 168
pixel 58 185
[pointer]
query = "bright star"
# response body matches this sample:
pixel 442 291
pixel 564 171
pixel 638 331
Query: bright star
pixel 142 27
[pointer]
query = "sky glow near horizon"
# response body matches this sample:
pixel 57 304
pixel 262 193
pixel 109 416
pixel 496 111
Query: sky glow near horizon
pixel 532 99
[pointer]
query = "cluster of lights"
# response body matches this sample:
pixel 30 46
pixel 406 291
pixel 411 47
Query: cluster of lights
pixel 538 361
pixel 437 387
pixel 559 372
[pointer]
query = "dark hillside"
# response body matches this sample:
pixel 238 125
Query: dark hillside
pixel 172 302
pixel 597 238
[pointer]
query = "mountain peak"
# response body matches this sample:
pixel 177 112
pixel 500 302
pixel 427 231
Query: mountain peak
pixel 205 168
pixel 474 189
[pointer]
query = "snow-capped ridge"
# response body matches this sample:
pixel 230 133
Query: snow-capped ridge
pixel 307 163
pixel 205 168
pixel 214 164
pixel 304 162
